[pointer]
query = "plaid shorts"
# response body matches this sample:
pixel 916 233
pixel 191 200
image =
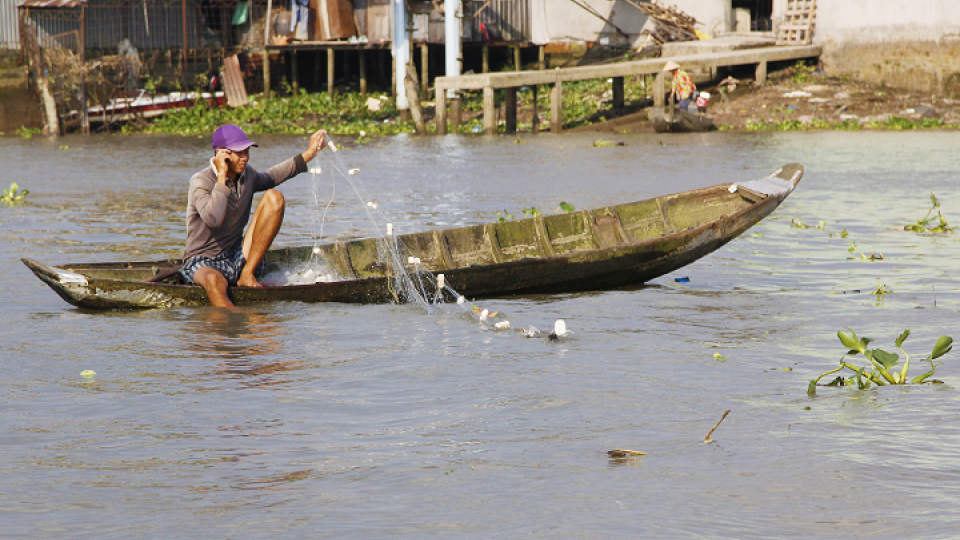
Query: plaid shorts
pixel 229 263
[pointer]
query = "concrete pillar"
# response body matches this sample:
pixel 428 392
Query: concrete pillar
pixel 401 54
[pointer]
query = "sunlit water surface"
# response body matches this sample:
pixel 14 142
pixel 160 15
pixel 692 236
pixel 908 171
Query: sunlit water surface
pixel 293 420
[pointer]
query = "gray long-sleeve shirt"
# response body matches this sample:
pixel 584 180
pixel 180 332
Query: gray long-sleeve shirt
pixel 217 213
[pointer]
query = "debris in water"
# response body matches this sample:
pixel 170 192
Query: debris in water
pixel 413 260
pixel 316 250
pixel 707 439
pixel 502 325
pixel 533 331
pixel 316 170
pixel 88 374
pixel 559 331
pixel 353 171
pixel 682 280
pixel 625 453
pixel 733 188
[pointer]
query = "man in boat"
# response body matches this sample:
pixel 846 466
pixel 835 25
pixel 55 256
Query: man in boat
pixel 682 87
pixel 218 253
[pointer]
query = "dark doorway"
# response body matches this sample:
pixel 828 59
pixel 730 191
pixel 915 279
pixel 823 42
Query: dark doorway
pixel 761 13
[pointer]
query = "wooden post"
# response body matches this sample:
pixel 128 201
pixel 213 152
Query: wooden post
pixel 486 58
pixel 658 91
pixel 424 69
pixel 516 58
pixel 543 57
pixel 556 108
pixel 489 111
pixel 536 110
pixel 618 92
pixel 330 71
pixel 441 111
pixel 762 73
pixel 393 80
pixel 293 72
pixel 511 109
pixel 410 84
pixel 456 116
pixel 265 60
pixel 183 29
pixel 363 72
pixel 84 119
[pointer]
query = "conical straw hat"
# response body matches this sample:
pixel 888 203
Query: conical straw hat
pixel 671 65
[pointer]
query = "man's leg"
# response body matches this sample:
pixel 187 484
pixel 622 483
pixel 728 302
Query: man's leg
pixel 263 228
pixel 215 284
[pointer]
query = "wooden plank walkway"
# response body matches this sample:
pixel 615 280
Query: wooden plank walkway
pixel 488 82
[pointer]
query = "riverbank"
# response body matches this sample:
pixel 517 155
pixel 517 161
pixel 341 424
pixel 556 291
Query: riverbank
pixel 799 97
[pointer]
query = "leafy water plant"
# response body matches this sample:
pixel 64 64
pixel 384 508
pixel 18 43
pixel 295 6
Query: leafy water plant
pixel 863 257
pixel 27 133
pixel 799 224
pixel 880 370
pixel 922 225
pixel 12 196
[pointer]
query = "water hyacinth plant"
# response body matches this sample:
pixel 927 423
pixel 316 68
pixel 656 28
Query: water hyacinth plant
pixel 12 195
pixel 880 370
pixel 922 225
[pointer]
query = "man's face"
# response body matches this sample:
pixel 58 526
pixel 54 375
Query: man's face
pixel 237 161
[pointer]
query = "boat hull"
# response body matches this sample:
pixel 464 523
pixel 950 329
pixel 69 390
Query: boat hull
pixel 588 250
pixel 675 120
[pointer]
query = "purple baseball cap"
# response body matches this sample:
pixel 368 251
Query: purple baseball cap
pixel 232 138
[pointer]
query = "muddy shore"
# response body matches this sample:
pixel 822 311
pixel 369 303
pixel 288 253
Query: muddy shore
pixel 815 102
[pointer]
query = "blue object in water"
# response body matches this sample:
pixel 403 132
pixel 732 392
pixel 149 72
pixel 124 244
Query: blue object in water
pixel 682 280
pixel 476 129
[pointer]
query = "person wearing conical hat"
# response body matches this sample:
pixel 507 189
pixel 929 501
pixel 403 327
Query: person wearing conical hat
pixel 682 87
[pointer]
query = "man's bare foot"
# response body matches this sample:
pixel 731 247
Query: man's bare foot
pixel 248 281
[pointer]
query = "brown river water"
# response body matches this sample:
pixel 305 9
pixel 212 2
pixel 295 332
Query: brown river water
pixel 292 420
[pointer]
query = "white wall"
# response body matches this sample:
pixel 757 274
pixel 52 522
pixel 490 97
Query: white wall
pixel 562 20
pixel 871 21
pixel 714 16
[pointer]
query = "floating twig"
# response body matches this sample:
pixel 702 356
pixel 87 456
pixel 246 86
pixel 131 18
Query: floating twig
pixel 707 439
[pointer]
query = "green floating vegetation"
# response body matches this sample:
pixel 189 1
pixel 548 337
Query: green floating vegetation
pixel 881 363
pixel 799 224
pixel 13 195
pixel 864 257
pixel 563 207
pixel 27 133
pixel 850 124
pixel 923 224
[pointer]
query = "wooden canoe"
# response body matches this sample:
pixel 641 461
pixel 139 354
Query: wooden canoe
pixel 595 249
pixel 673 120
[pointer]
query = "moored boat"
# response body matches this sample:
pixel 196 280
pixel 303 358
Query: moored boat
pixel 595 249
pixel 673 120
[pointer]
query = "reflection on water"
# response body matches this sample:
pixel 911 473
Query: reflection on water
pixel 286 419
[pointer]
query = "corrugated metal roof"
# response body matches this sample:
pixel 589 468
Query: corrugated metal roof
pixel 52 4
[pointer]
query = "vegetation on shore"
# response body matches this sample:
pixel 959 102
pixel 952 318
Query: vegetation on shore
pixel 584 102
